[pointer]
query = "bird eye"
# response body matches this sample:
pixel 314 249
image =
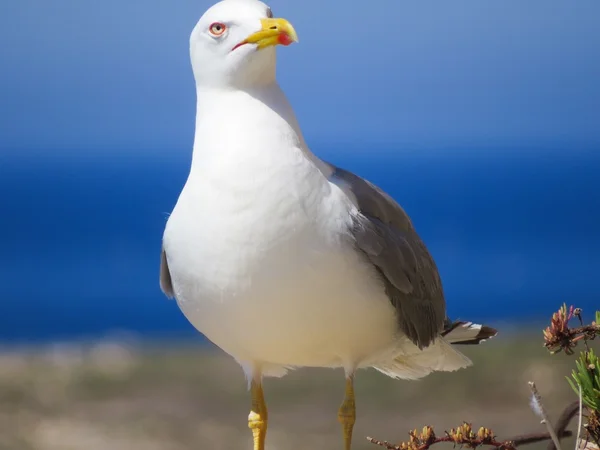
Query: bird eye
pixel 269 13
pixel 217 29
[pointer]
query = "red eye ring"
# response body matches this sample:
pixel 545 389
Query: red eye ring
pixel 217 28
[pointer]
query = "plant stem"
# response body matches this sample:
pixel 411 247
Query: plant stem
pixel 545 420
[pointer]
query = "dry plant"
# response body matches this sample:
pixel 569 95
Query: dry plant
pixel 585 378
pixel 585 381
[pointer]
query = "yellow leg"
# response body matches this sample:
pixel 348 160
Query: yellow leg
pixel 257 419
pixel 347 413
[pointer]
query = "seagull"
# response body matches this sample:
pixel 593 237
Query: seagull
pixel 282 259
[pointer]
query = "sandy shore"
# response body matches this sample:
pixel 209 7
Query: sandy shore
pixel 117 395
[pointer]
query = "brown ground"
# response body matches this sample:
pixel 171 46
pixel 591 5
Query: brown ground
pixel 171 396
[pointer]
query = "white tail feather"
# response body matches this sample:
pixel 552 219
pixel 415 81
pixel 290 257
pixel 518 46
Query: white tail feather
pixel 440 356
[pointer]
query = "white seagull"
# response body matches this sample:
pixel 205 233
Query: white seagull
pixel 280 258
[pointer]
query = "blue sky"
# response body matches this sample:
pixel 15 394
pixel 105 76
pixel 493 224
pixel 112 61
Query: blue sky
pixel 99 77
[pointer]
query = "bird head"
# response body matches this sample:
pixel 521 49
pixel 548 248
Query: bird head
pixel 233 44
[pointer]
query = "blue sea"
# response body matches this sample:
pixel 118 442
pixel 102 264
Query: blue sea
pixel 515 233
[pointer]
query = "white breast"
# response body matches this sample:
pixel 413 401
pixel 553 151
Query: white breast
pixel 259 258
pixel 269 280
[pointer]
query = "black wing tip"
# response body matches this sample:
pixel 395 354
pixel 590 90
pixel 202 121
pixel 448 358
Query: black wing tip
pixel 484 332
pixel 487 332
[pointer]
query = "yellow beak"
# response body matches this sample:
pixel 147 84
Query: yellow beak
pixel 273 32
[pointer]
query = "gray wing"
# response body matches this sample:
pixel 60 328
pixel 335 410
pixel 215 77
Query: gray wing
pixel 166 285
pixel 385 234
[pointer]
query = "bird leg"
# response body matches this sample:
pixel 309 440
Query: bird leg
pixel 347 413
pixel 257 419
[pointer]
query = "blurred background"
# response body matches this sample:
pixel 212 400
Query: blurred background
pixel 481 118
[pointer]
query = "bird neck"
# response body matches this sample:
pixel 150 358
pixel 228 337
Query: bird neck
pixel 233 122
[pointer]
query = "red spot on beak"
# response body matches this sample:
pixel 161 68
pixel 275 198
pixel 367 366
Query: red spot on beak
pixel 285 39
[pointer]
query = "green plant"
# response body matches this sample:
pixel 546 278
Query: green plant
pixel 587 376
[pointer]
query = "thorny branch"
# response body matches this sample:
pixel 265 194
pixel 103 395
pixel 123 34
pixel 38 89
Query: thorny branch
pixel 462 435
pixel 465 436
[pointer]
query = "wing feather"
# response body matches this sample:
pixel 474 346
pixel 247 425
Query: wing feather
pixel 385 234
pixel 166 285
